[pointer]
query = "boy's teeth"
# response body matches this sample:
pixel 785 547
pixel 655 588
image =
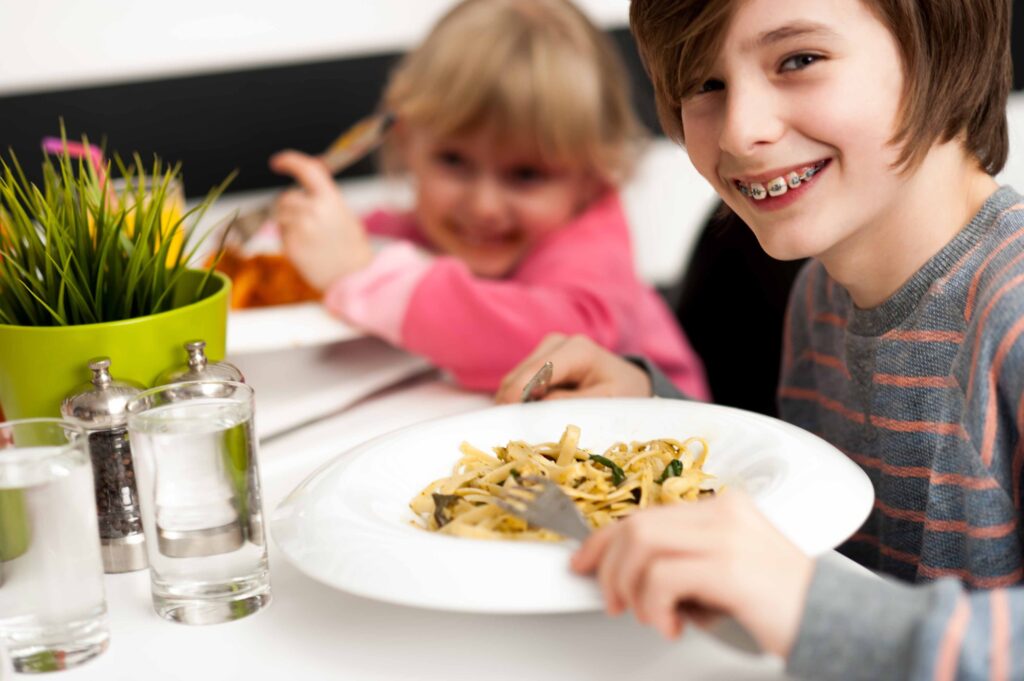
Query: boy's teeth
pixel 777 187
pixel 780 185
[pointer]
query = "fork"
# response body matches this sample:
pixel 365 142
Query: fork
pixel 349 147
pixel 550 508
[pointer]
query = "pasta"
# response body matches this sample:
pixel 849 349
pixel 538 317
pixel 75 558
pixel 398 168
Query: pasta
pixel 621 481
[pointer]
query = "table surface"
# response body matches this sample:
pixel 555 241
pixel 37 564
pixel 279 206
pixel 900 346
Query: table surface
pixel 312 631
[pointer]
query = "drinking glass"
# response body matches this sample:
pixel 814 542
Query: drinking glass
pixel 195 464
pixel 52 606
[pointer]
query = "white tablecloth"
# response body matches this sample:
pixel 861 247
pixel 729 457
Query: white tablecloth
pixel 311 631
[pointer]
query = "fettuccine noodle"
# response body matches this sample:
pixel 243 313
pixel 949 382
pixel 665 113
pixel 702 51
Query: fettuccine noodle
pixel 621 481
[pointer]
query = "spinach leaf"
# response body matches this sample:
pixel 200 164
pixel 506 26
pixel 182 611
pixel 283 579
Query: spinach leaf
pixel 673 470
pixel 618 475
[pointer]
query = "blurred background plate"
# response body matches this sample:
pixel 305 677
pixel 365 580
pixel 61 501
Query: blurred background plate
pixel 282 327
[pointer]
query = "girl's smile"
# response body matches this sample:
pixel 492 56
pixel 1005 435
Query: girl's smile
pixel 489 202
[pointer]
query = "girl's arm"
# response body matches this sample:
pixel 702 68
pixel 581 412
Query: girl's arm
pixel 475 328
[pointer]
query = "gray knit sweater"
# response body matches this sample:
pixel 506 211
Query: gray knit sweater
pixel 926 393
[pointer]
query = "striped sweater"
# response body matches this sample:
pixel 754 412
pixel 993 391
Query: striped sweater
pixel 926 393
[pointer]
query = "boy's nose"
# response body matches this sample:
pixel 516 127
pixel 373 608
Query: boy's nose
pixel 752 120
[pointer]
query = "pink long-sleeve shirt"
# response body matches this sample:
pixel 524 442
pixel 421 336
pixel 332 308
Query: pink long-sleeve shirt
pixel 577 280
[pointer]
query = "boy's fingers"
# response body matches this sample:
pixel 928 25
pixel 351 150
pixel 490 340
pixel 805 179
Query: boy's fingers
pixel 587 557
pixel 308 171
pixel 671 582
pixel 607 573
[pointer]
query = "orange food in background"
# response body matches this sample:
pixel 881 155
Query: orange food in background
pixel 263 280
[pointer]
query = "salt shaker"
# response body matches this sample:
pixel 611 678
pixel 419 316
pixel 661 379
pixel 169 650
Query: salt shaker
pixel 100 407
pixel 199 368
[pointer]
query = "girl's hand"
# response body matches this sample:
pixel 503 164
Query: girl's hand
pixel 717 555
pixel 582 368
pixel 321 235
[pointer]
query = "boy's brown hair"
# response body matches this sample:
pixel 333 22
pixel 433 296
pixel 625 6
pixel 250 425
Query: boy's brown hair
pixel 536 73
pixel 958 70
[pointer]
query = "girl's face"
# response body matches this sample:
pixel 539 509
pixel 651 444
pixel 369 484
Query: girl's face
pixel 809 92
pixel 489 203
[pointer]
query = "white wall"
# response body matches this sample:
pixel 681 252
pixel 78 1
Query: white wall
pixel 51 44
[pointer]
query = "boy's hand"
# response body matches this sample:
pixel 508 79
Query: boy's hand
pixel 321 235
pixel 582 368
pixel 717 555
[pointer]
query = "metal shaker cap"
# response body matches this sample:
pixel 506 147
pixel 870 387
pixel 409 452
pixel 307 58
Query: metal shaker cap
pixel 199 368
pixel 102 403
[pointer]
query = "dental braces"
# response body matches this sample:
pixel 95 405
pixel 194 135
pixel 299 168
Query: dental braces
pixel 792 181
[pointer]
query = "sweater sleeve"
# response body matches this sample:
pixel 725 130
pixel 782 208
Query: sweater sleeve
pixel 479 329
pixel 661 385
pixel 856 626
pixel 376 298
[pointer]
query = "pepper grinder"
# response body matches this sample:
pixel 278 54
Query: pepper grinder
pixel 199 368
pixel 100 406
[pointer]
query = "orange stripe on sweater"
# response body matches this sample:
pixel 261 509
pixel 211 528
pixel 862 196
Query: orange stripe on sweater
pixel 948 657
pixel 969 254
pixel 925 336
pixel 886 550
pixel 879 421
pixel 916 381
pixel 999 652
pixel 934 477
pixel 828 403
pixel 1018 456
pixel 959 526
pixel 981 327
pixel 919 426
pixel 973 289
pixel 830 318
pixel 830 361
pixel 970 579
pixel 933 572
pixel 988 439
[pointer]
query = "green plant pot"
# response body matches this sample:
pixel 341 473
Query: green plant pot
pixel 14 532
pixel 40 365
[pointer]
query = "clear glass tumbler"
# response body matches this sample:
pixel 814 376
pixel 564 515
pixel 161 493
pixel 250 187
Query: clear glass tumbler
pixel 195 464
pixel 53 613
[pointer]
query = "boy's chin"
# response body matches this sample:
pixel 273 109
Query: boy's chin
pixel 780 247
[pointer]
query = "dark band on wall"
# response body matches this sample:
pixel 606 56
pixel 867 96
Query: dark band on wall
pixel 214 123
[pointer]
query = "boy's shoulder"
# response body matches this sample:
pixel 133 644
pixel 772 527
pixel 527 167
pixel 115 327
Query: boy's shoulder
pixel 994 275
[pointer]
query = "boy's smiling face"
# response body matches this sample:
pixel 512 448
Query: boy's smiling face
pixel 809 92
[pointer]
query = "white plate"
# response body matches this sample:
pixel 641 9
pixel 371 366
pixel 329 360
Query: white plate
pixel 281 327
pixel 349 524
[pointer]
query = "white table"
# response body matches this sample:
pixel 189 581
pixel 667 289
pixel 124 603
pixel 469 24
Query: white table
pixel 311 631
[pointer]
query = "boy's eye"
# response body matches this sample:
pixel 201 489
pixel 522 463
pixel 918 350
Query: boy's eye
pixel 798 62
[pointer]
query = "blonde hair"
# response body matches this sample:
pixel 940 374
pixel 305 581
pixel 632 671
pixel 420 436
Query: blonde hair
pixel 536 73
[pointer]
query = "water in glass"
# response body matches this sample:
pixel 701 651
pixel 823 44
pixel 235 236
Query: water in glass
pixel 52 607
pixel 201 509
